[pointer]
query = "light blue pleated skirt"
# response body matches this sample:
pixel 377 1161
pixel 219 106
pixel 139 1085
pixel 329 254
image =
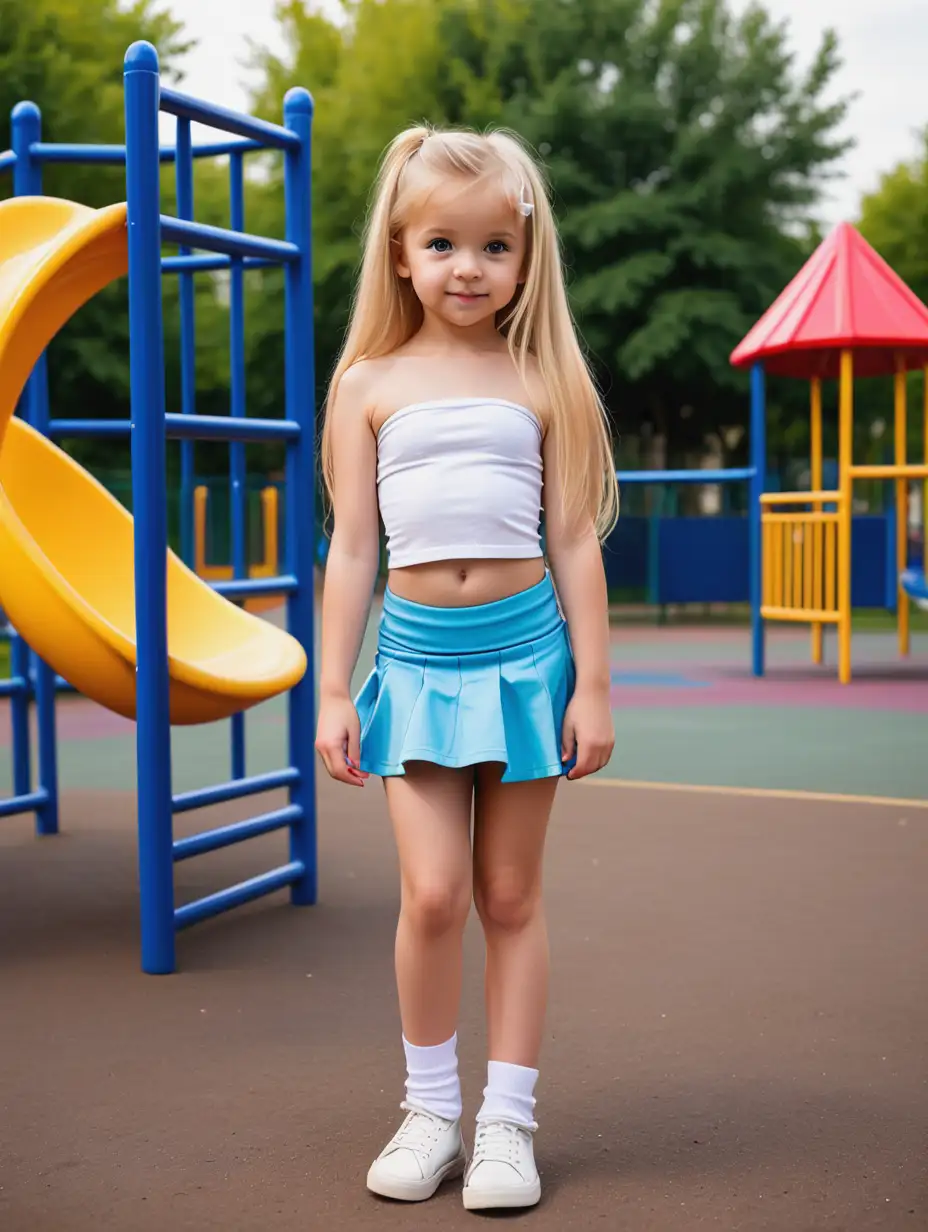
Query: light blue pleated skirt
pixel 457 686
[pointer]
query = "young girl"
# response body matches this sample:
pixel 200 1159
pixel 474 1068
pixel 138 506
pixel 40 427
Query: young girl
pixel 460 408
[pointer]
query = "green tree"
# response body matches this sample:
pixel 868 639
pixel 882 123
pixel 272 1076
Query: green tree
pixel 894 219
pixel 66 56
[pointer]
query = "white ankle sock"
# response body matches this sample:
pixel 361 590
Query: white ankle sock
pixel 509 1094
pixel 432 1082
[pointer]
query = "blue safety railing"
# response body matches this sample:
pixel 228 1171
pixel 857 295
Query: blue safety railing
pixel 754 476
pixel 236 250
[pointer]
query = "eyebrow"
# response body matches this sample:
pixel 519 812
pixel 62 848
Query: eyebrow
pixel 502 234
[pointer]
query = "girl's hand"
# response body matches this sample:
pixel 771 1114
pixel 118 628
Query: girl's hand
pixel 588 731
pixel 338 740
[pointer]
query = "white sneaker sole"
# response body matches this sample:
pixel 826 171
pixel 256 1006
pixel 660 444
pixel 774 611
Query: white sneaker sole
pixel 414 1191
pixel 506 1198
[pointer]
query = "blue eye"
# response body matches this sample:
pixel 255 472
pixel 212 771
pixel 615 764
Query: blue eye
pixel 497 247
pixel 439 245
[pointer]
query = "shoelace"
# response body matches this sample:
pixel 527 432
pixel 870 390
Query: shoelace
pixel 418 1133
pixel 500 1140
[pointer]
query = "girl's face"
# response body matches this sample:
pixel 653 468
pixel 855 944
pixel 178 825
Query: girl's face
pixel 464 252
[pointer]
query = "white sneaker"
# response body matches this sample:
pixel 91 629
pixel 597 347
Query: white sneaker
pixel 502 1172
pixel 424 1151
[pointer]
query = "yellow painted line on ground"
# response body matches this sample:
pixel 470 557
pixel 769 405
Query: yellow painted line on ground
pixel 760 793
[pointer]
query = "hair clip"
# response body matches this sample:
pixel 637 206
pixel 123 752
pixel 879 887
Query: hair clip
pixel 526 208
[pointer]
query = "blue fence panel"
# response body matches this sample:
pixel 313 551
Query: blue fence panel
pixel 869 560
pixel 704 560
pixel 625 554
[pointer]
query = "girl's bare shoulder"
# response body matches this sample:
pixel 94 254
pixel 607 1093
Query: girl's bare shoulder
pixel 356 382
pixel 360 388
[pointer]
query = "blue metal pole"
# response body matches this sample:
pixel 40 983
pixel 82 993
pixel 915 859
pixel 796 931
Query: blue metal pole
pixel 300 495
pixel 46 688
pixel 19 718
pixel 188 379
pixel 221 239
pixel 115 155
pixel 25 132
pixel 26 129
pixel 237 745
pixel 237 376
pixel 146 371
pixel 197 109
pixel 237 462
pixel 759 466
pixel 26 125
pixel 890 578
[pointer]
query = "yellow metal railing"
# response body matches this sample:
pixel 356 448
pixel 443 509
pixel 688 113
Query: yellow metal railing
pixel 800 557
pixel 268 567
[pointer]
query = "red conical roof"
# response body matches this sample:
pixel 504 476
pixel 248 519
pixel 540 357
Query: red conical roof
pixel 844 296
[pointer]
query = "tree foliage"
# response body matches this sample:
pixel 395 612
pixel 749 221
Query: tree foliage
pixel 894 219
pixel 67 57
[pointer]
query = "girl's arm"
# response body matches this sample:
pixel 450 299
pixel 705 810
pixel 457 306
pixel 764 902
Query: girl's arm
pixel 351 571
pixel 576 561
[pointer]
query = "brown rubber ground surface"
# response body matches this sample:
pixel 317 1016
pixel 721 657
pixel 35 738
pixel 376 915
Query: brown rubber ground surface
pixel 738 1034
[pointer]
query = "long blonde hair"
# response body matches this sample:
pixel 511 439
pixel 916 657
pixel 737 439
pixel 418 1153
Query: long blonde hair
pixel 537 324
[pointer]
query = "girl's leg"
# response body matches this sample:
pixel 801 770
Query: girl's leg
pixel 510 825
pixel 430 809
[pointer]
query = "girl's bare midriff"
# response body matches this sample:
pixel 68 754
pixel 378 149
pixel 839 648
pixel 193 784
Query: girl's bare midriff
pixel 465 583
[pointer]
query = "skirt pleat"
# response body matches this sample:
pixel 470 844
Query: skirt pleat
pixel 534 692
pixel 460 709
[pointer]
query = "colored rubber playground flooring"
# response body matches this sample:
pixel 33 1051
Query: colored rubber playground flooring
pixel 687 710
pixel 736 1034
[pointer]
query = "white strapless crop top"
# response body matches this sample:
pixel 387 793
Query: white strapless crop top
pixel 460 478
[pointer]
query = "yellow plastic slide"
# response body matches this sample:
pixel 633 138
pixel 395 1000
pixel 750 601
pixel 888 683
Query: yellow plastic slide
pixel 66 548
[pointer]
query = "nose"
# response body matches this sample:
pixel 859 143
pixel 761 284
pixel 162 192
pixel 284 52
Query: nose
pixel 466 268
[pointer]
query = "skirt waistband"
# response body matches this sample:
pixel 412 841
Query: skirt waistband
pixel 523 617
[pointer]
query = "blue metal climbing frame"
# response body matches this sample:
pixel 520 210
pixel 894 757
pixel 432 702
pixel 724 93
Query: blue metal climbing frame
pixel 218 248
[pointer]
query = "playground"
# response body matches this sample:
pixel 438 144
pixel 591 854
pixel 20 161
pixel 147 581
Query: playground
pixel 737 906
pixel 737 1019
